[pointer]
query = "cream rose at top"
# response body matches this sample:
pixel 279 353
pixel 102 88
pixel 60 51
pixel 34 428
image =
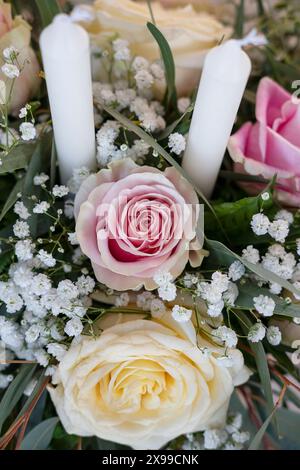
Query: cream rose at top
pixel 190 34
pixel 133 221
pixel 17 32
pixel 142 383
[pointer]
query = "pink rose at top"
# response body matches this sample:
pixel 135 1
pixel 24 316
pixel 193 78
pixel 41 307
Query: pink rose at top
pixel 271 145
pixel 135 221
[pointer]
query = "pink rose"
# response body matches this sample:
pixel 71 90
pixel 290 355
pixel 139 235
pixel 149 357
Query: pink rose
pixel 134 221
pixel 271 145
pixel 17 32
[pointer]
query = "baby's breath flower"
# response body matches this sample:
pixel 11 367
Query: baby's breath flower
pixel 176 143
pixel 227 335
pixel 21 229
pixel 167 292
pixel 264 305
pixel 181 314
pixel 56 350
pixel 251 254
pixel 46 258
pixel 10 53
pixel 23 113
pixel 85 285
pixel 24 250
pixel 183 104
pixel 162 278
pixel 279 230
pixel 157 307
pixel 67 289
pixel 265 196
pixel 28 131
pixel 122 300
pixel 40 179
pixel 283 214
pixel 60 191
pixel 21 210
pixel 144 300
pixel 144 79
pixel 74 327
pixel 10 71
pixel 215 310
pixel 260 224
pixel 72 238
pixel 274 335
pixel 41 208
pixel 236 270
pixel 257 332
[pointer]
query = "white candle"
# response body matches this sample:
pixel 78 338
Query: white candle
pixel 223 82
pixel 66 57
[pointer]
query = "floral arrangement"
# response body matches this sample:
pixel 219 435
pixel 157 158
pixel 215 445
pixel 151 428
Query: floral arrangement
pixel 139 308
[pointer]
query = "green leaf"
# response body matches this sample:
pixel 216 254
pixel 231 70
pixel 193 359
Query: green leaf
pixel 32 395
pixel 261 363
pixel 53 164
pixel 256 441
pixel 17 158
pixel 107 445
pixel 235 218
pixel 5 259
pixel 12 198
pixel 223 256
pixel 169 129
pixel 40 436
pixel 247 291
pixel 169 64
pixel 240 18
pixel 39 162
pixel 15 391
pixel 47 9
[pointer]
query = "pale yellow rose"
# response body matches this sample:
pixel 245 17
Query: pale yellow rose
pixel 144 382
pixel 17 32
pixel 190 34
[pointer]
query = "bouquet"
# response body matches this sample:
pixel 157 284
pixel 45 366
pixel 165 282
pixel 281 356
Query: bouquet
pixel 149 226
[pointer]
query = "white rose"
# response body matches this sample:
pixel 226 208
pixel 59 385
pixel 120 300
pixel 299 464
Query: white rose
pixel 144 382
pixel 190 34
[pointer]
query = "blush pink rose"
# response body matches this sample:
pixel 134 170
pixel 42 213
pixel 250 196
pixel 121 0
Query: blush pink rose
pixel 271 145
pixel 134 221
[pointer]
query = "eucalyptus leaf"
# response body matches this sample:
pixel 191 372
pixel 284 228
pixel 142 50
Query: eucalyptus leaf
pixel 17 158
pixel 12 198
pixel 171 127
pixel 15 391
pixel 240 19
pixel 40 436
pixel 169 64
pixel 5 259
pixel 256 441
pixel 261 363
pixel 47 9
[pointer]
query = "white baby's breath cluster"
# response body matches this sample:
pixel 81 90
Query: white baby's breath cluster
pixel 129 88
pixel 231 437
pixel 46 294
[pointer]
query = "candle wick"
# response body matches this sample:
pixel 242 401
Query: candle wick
pixel 252 39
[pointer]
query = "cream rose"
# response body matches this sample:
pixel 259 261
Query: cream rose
pixel 17 32
pixel 144 382
pixel 190 33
